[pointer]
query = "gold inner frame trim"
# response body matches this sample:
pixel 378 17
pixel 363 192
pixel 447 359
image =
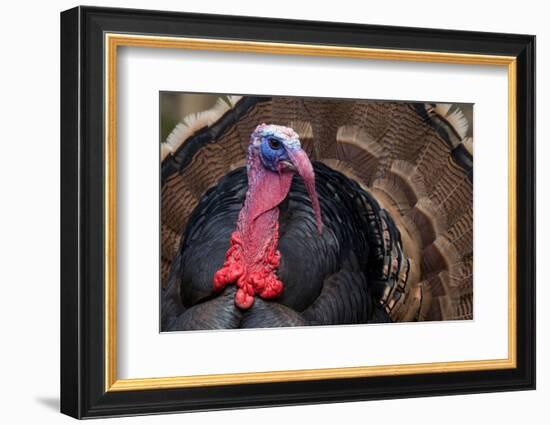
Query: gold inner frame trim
pixel 113 41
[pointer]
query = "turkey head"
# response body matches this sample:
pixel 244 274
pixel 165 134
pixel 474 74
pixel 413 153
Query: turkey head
pixel 252 260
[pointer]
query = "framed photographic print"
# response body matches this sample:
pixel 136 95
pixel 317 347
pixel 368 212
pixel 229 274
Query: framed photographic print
pixel 262 212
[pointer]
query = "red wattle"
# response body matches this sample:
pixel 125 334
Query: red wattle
pixel 252 260
pixel 258 278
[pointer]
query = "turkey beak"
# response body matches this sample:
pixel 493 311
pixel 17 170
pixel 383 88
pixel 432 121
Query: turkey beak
pixel 303 166
pixel 287 165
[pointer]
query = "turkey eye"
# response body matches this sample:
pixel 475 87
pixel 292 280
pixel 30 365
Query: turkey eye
pixel 274 144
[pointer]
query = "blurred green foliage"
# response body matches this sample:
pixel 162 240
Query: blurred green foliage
pixel 167 124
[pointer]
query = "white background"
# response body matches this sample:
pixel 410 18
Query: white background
pixel 29 224
pixel 140 345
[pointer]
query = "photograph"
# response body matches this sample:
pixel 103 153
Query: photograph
pixel 285 211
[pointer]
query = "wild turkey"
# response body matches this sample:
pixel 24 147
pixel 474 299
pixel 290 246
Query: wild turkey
pixel 389 239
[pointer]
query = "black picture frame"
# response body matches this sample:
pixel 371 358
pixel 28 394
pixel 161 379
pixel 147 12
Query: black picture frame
pixel 83 392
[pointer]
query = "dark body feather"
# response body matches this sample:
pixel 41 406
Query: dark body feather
pixel 328 278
